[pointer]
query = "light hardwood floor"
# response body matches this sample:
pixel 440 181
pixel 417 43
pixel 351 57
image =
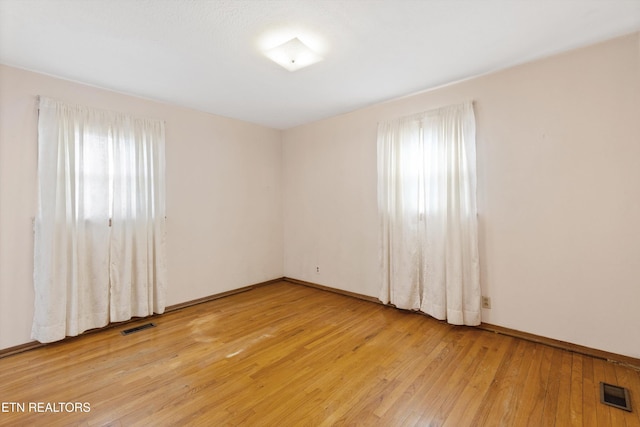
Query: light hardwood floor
pixel 289 355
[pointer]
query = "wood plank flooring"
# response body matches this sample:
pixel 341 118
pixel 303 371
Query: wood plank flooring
pixel 289 355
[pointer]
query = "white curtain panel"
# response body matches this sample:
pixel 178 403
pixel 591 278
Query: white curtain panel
pixel 428 214
pixel 138 264
pixel 97 168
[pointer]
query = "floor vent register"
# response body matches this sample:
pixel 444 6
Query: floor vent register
pixel 615 396
pixel 138 328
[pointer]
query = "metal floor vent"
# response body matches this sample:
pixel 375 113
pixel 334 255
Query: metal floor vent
pixel 615 396
pixel 138 328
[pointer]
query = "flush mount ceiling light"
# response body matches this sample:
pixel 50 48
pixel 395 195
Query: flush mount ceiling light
pixel 293 55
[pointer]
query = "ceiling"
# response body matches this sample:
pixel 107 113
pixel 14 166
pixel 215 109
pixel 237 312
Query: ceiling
pixel 207 55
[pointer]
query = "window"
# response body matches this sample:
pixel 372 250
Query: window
pixel 94 173
pixel 427 206
pixel 99 235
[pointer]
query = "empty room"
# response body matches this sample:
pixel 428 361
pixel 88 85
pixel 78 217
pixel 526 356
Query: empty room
pixel 320 212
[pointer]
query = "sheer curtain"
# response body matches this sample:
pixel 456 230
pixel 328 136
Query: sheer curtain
pixel 99 231
pixel 427 205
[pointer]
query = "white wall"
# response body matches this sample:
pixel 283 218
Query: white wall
pixel 559 195
pixel 224 201
pixel 558 146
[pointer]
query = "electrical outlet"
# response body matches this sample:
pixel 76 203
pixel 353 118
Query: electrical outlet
pixel 317 270
pixel 486 302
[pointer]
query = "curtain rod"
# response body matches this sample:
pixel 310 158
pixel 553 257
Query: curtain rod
pixel 417 116
pixel 105 110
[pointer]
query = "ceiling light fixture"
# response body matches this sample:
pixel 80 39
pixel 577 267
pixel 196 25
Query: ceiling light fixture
pixel 293 55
